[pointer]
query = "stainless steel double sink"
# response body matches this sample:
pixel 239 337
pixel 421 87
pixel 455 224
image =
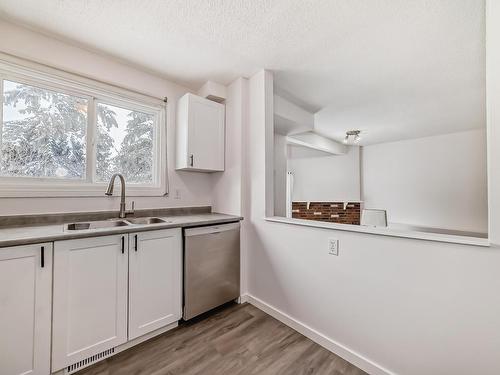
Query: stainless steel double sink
pixel 112 223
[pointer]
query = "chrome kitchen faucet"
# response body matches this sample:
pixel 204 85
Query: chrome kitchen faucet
pixel 109 192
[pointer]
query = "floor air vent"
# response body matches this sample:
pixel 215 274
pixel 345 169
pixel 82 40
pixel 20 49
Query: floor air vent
pixel 89 361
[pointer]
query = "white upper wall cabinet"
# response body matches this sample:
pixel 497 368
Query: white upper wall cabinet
pixel 200 134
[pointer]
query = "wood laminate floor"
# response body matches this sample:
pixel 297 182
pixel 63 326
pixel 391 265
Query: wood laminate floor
pixel 234 340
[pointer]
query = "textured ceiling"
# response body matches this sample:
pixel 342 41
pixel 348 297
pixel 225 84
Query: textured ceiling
pixel 400 67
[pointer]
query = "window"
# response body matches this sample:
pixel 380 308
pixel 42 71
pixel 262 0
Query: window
pixel 125 140
pixel 61 136
pixel 43 133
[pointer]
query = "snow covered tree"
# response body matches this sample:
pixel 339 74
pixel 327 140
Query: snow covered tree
pixel 106 119
pixel 46 135
pixel 135 158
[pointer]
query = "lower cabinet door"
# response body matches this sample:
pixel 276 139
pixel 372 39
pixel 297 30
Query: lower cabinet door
pixel 90 298
pixel 154 280
pixel 25 309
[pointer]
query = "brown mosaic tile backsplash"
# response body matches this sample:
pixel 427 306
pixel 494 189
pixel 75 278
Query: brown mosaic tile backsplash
pixel 332 212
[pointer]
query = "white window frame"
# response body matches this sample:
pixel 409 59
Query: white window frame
pixel 30 73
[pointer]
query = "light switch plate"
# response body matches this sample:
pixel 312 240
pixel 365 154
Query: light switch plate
pixel 177 194
pixel 333 246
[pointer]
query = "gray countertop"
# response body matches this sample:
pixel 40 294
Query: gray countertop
pixel 23 235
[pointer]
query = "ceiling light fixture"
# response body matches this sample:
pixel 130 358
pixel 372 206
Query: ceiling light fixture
pixel 352 134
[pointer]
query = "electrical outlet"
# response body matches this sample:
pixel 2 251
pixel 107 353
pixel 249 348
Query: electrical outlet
pixel 177 194
pixel 333 246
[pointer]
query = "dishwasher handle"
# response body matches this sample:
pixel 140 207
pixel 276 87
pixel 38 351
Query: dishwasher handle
pixel 212 229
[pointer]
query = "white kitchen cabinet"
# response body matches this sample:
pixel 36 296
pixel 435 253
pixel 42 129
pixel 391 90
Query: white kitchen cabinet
pixel 155 281
pixel 25 309
pixel 90 298
pixel 200 134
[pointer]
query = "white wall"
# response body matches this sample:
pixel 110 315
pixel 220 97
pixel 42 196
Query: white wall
pixel 319 176
pixel 390 305
pixel 280 173
pixel 289 118
pixel 437 181
pixel 227 196
pixel 493 114
pixel 195 188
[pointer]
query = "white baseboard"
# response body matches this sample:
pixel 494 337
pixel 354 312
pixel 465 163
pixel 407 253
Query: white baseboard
pixel 243 298
pixel 349 355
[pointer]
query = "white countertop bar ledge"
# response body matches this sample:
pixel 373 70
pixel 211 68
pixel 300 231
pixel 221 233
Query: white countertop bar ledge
pixel 476 241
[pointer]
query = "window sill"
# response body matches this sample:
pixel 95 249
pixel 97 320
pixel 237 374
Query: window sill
pixel 463 240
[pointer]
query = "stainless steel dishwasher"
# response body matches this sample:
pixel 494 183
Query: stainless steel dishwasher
pixel 211 267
